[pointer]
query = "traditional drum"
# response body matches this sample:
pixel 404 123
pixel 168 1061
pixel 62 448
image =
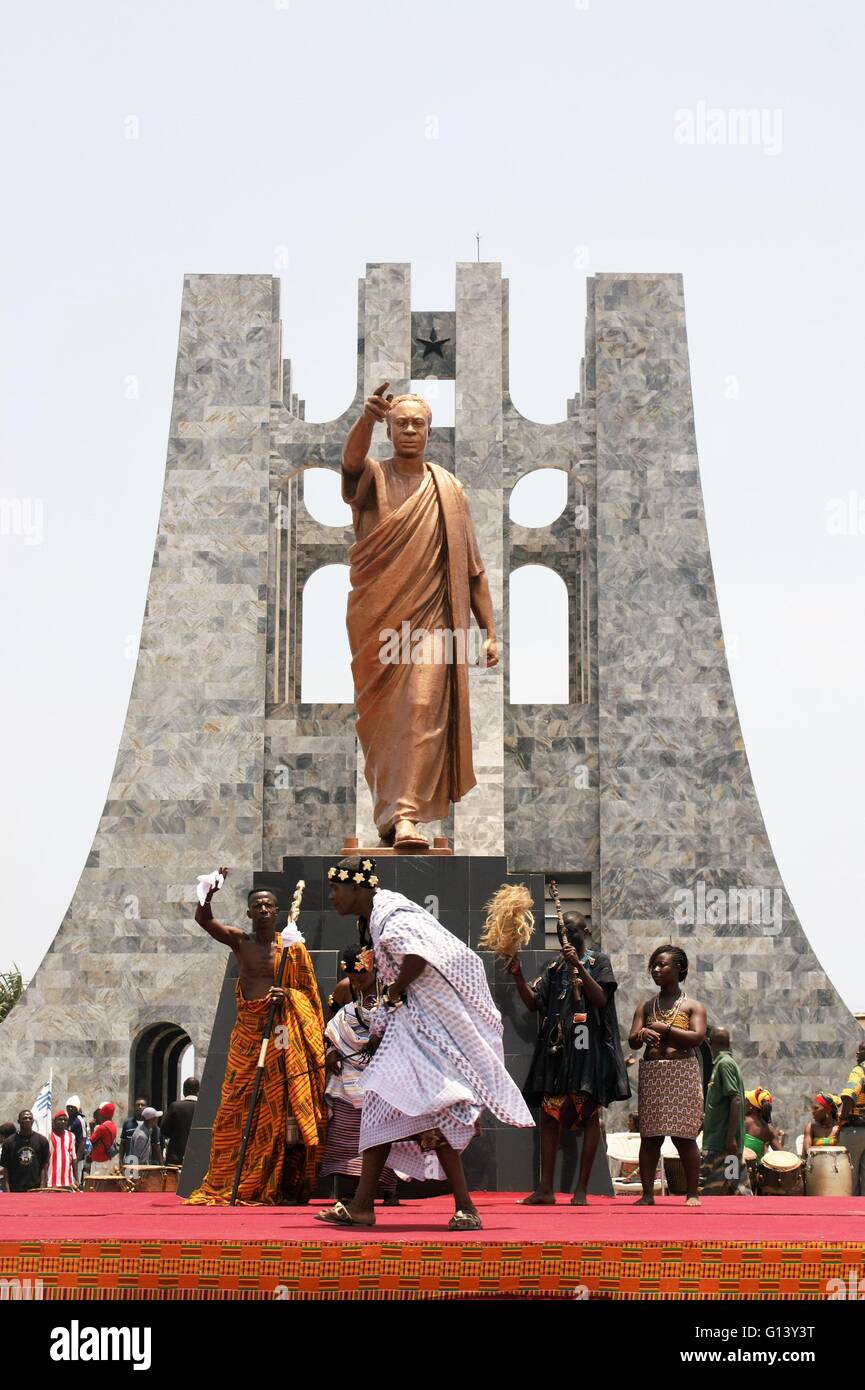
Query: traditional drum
pixel 751 1165
pixel 171 1177
pixel 146 1177
pixel 829 1172
pixel 674 1170
pixel 107 1182
pixel 779 1174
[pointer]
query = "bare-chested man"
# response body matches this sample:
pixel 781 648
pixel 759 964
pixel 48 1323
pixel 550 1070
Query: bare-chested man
pixel 287 1137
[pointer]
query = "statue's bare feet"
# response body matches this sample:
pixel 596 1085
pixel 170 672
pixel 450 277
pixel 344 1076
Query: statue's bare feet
pixel 386 838
pixel 407 836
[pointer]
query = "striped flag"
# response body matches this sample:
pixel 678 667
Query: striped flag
pixel 42 1107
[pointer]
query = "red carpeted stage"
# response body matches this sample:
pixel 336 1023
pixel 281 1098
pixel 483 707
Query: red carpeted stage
pixel 86 1245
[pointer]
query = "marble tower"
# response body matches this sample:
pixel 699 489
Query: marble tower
pixel 637 788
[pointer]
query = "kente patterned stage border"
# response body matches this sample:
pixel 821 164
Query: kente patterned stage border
pixel 252 1269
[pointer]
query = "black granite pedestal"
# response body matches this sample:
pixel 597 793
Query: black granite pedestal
pixel 455 890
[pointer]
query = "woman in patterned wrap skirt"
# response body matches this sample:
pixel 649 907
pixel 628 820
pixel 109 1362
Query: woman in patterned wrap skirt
pixel 672 1028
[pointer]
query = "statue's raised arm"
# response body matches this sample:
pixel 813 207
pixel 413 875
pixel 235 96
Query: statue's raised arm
pixel 359 438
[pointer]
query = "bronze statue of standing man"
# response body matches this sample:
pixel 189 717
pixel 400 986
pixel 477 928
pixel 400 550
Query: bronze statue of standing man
pixel 416 578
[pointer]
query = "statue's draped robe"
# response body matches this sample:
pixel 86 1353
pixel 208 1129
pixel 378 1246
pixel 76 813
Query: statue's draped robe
pixel 292 1086
pixel 414 555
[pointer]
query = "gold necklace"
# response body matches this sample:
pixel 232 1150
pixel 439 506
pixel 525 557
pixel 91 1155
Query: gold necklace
pixel 666 1015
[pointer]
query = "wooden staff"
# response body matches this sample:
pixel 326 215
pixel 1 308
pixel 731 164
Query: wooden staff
pixel 268 1028
pixel 576 982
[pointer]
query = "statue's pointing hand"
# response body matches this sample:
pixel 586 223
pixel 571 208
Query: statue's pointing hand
pixel 378 404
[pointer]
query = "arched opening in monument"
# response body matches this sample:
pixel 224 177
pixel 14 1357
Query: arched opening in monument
pixel 322 498
pixel 325 677
pixel 539 498
pixel 158 1064
pixel 538 632
pixel 185 1067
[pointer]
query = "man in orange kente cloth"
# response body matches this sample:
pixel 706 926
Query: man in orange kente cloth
pixel 416 578
pixel 286 1143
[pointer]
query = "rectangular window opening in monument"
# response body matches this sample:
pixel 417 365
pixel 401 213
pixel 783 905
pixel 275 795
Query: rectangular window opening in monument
pixel 581 666
pixel 575 895
pixel 442 400
pixel 432 285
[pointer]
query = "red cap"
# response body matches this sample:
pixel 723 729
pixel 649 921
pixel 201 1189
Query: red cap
pixel 108 1108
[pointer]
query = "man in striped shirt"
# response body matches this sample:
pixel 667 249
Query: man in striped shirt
pixel 852 1132
pixel 61 1165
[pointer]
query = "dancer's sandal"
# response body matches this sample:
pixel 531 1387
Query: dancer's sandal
pixel 339 1215
pixel 465 1221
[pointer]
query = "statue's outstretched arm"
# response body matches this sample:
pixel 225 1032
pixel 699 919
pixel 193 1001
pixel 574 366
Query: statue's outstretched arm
pixel 356 450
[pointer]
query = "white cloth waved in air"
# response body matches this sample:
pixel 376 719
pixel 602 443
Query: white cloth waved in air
pixel 205 882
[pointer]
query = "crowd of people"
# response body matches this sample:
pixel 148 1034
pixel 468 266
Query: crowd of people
pixel 77 1148
pixel 394 1083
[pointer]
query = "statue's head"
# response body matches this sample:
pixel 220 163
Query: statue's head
pixel 408 425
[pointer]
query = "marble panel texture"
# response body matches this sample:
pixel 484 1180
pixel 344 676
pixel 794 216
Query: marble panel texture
pixel 640 781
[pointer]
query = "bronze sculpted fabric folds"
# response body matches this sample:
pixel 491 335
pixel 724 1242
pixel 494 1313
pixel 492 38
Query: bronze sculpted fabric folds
pixel 411 567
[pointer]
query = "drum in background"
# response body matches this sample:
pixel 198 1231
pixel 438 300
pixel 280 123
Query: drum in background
pixel 145 1177
pixel 171 1177
pixel 674 1169
pixel 779 1174
pixel 106 1182
pixel 829 1172
pixel 751 1167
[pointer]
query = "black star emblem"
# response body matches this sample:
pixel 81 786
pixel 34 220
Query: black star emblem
pixel 433 344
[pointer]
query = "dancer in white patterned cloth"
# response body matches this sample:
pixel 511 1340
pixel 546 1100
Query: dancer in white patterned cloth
pixel 437 1038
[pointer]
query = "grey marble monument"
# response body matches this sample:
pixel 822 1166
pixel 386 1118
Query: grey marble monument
pixel 637 788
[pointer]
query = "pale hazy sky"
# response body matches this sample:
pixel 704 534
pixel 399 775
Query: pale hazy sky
pixel 304 139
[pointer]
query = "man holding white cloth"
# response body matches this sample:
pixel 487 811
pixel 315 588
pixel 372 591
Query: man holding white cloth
pixel 437 1041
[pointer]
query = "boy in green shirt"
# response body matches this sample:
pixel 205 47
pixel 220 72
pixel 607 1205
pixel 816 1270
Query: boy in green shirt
pixel 722 1171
